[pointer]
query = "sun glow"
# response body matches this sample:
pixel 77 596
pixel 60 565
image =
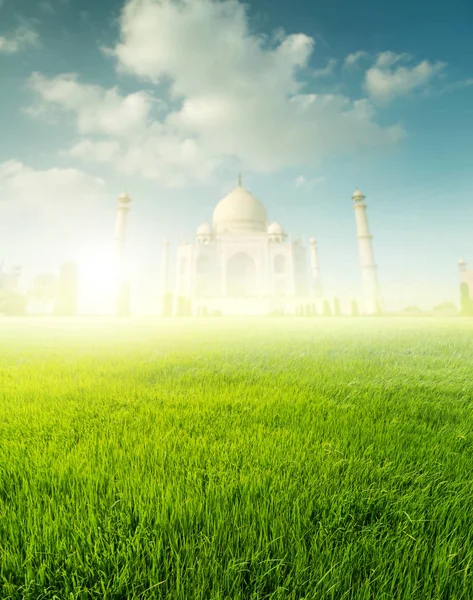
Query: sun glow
pixel 98 280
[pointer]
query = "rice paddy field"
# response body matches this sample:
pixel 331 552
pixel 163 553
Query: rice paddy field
pixel 238 459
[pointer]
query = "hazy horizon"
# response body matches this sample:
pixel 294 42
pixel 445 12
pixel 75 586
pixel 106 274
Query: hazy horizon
pixel 171 100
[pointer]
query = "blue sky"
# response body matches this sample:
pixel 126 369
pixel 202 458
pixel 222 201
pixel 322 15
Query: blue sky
pixel 170 102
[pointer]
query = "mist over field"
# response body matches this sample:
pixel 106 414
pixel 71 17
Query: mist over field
pixel 236 300
pixel 273 458
pixel 168 101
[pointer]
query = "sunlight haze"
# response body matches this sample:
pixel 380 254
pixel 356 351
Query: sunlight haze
pixel 170 100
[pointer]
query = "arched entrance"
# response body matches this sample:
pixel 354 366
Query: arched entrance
pixel 241 276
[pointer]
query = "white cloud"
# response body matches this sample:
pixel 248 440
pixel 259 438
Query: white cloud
pixel 48 215
pixel 157 154
pixel 23 186
pixel 353 59
pixel 457 85
pixel 387 59
pixel 388 79
pixel 302 181
pixel 19 40
pixel 326 71
pixel 238 97
pixel 203 45
pixel 101 151
pixel 96 110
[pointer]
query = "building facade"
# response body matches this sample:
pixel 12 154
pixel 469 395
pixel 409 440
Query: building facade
pixel 466 278
pixel 240 263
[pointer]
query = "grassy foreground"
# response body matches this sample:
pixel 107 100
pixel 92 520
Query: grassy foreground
pixel 236 459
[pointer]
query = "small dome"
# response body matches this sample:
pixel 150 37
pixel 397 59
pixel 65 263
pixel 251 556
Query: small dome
pixel 357 195
pixel 124 198
pixel 204 229
pixel 238 212
pixel 312 241
pixel 275 229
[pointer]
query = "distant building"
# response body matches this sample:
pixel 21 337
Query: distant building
pixel 123 299
pixel 242 264
pixel 466 289
pixel 466 276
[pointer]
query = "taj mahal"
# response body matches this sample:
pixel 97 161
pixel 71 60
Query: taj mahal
pixel 241 263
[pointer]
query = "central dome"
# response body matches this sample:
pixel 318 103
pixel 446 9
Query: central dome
pixel 240 212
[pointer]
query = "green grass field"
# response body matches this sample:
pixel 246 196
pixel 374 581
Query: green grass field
pixel 236 459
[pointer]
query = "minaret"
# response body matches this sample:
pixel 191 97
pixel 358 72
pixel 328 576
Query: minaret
pixel 314 265
pixel 123 300
pixel 365 247
pixel 466 289
pixel 465 274
pixel 123 209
